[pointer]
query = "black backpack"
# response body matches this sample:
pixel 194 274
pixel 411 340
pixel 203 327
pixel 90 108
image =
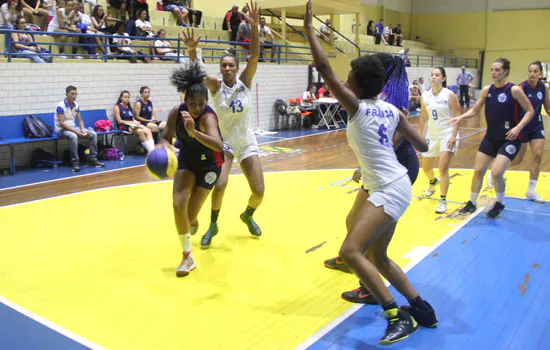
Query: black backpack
pixel 43 159
pixel 34 128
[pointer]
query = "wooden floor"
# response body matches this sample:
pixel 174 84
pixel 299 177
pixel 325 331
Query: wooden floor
pixel 323 151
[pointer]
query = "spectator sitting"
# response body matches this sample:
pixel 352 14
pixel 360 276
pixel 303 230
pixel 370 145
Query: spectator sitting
pixel 144 113
pixel 414 97
pixel 397 32
pixel 144 28
pixel 324 91
pixel 244 35
pixel 308 98
pixel 50 6
pixel 31 9
pixel 126 122
pixel 85 25
pixel 64 21
pixel 99 20
pixel 163 48
pixel 379 32
pixel 403 52
pixel 65 114
pixel 9 12
pixel 194 16
pixel 421 86
pixel 324 31
pixel 232 20
pixel 121 5
pixel 266 39
pixel 388 34
pixel 370 29
pixel 124 48
pixel 23 44
pixel 177 10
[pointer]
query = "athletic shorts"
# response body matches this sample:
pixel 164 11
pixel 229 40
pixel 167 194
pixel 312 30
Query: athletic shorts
pixel 408 158
pixel 242 152
pixel 438 144
pixel 395 197
pixel 157 123
pixel 493 147
pixel 537 134
pixel 206 175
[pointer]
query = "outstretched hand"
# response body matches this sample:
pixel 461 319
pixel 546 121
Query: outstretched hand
pixel 308 17
pixel 253 16
pixel 189 38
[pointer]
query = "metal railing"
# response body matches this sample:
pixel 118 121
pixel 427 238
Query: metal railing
pixel 417 60
pixel 287 24
pixel 282 53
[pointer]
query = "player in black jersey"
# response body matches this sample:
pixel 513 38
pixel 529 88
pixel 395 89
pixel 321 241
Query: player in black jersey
pixel 200 158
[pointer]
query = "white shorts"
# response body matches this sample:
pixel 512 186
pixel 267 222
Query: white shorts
pixel 438 144
pixel 241 152
pixel 395 197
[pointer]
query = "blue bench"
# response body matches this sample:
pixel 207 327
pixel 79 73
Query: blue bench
pixel 11 130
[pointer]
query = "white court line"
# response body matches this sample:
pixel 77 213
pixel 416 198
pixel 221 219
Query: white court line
pixel 527 212
pixel 136 166
pixel 50 325
pixel 68 178
pixel 323 331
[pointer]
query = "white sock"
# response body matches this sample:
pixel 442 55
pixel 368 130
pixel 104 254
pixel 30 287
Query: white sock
pixel 532 185
pixel 473 197
pixel 500 197
pixel 185 241
pixel 148 145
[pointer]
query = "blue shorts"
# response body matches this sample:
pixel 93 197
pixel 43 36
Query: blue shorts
pixel 157 123
pixel 408 158
pixel 206 175
pixel 536 134
pixel 493 147
pixel 171 7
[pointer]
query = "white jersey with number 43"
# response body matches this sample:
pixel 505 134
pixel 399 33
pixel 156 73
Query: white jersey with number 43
pixel 439 112
pixel 231 105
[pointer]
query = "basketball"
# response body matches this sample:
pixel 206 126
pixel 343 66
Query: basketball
pixel 162 163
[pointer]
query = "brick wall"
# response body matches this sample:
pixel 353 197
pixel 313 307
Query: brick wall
pixel 35 88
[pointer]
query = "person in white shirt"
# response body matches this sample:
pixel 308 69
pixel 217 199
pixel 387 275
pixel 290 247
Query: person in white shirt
pixel 403 52
pixel 421 86
pixel 163 48
pixel 9 13
pixel 386 190
pixel 324 31
pixel 64 21
pixel 143 25
pixel 309 97
pixel 66 116
pixel 388 34
pixel 124 46
pixel 439 105
pixel 266 40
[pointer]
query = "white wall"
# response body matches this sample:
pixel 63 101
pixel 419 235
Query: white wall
pixel 454 6
pixel 404 6
pixel 33 88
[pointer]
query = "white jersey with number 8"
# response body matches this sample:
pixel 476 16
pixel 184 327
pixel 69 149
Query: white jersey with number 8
pixel 370 134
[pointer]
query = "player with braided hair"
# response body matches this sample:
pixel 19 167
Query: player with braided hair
pixel 201 154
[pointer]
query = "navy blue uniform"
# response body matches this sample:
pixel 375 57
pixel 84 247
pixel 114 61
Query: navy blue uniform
pixel 406 155
pixel 126 114
pixel 502 115
pixel 203 162
pixel 535 128
pixel 146 112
